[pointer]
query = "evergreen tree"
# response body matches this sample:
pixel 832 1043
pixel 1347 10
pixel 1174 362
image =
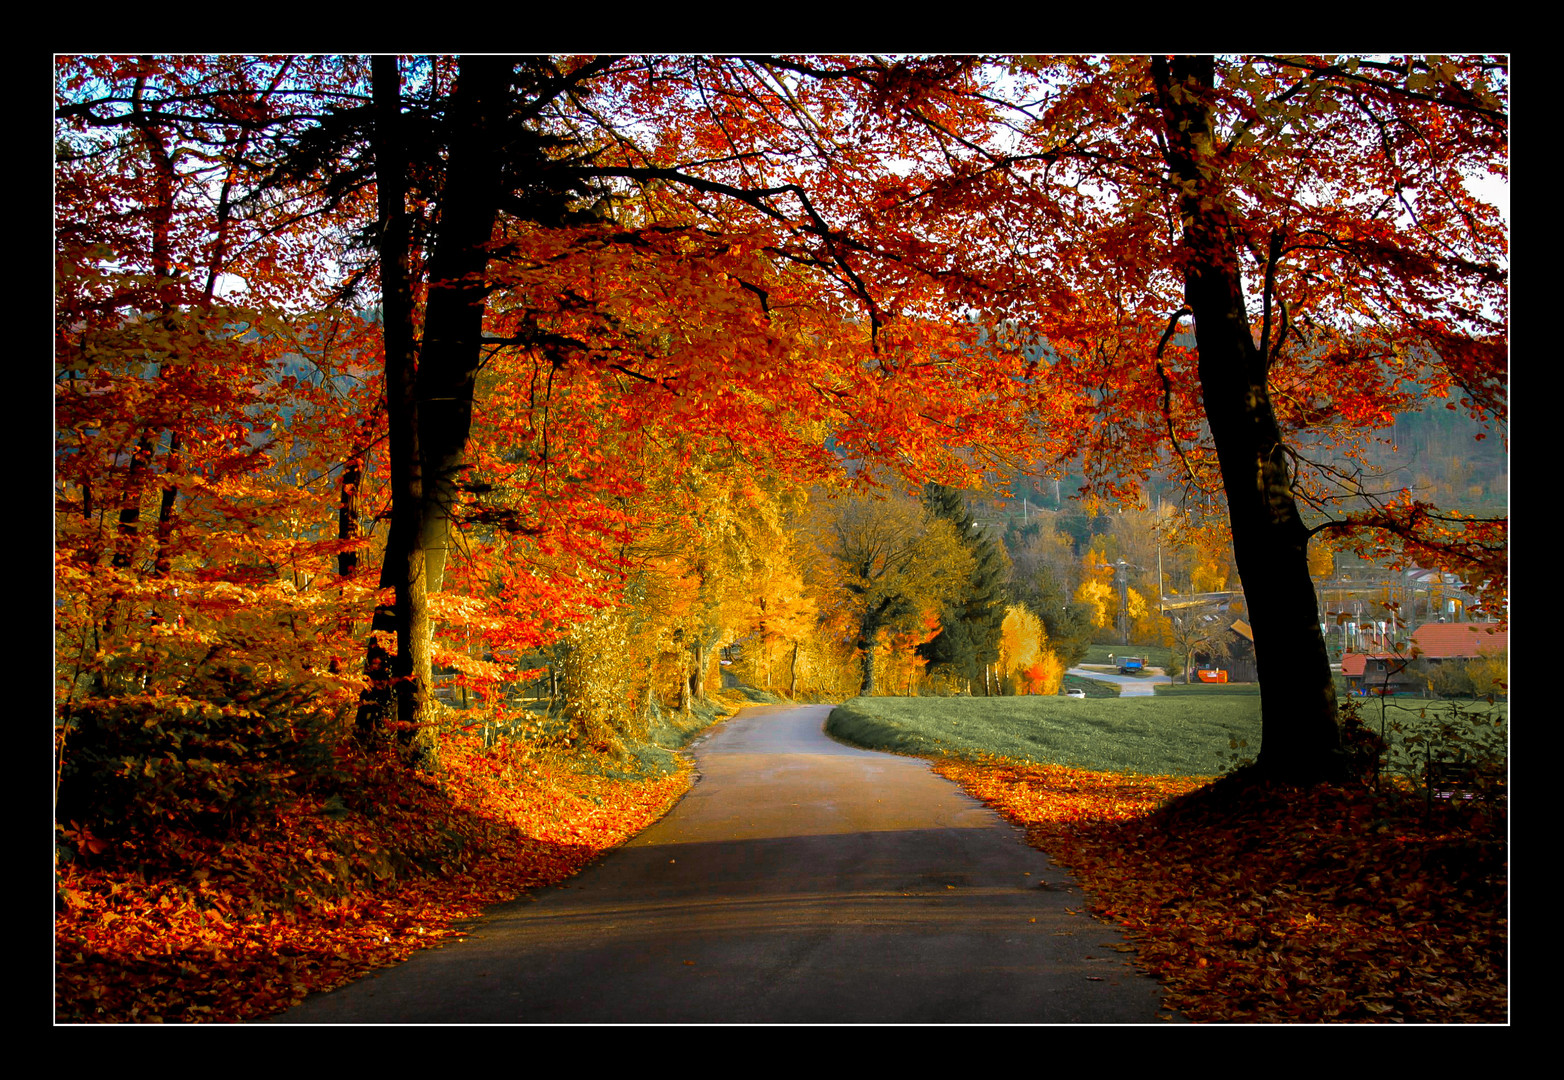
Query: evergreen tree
pixel 969 625
pixel 1067 622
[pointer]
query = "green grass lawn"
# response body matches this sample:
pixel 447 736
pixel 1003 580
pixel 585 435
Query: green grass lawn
pixel 1189 737
pixel 1179 732
pixel 1200 689
pixel 1093 687
pixel 1154 655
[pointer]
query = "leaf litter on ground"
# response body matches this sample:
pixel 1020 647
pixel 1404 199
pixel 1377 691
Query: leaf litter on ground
pixel 1251 904
pixel 1259 903
pixel 197 928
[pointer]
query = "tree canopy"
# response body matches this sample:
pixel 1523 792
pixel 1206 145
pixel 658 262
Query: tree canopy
pixel 461 315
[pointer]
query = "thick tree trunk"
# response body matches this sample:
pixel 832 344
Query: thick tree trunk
pixel 399 685
pixel 130 504
pixel 429 390
pixel 698 671
pixel 453 323
pixel 163 560
pixel 866 640
pixel 1300 739
pixel 347 513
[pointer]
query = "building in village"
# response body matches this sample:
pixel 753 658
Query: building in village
pixel 1406 670
pixel 1235 654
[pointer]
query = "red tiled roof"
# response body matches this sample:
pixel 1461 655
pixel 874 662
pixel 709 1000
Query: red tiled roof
pixel 1356 663
pixel 1439 640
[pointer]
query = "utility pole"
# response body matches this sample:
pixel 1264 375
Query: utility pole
pixel 1162 597
pixel 1122 579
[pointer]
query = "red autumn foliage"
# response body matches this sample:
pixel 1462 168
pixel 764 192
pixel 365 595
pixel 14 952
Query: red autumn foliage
pixel 1268 904
pixel 696 261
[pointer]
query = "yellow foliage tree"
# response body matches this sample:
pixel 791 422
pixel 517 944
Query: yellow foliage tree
pixel 899 665
pixel 884 562
pixel 1026 664
pixel 1208 575
pixel 1046 675
pixel 1154 629
pixel 1322 561
pixel 1136 603
pixel 1147 626
pixel 1490 673
pixel 1100 600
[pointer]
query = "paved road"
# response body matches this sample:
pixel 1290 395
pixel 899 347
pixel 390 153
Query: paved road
pixel 1129 685
pixel 800 881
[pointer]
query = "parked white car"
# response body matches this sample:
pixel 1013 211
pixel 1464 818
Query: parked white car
pixel 1076 692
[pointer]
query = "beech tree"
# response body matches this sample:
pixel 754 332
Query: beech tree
pixel 1026 662
pixel 675 223
pixel 199 624
pixel 946 265
pixel 1313 216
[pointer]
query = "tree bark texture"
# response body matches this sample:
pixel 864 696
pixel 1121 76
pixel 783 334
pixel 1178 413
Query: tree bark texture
pixel 700 659
pixel 866 643
pixel 430 385
pixel 1300 739
pixel 453 322
pixel 398 685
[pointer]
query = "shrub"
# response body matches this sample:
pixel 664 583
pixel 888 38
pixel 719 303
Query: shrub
pixel 1363 749
pixel 1471 739
pixel 213 757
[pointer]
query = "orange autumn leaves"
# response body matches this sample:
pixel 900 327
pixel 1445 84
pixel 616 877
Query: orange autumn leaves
pixel 1273 904
pixel 1269 905
pixel 200 929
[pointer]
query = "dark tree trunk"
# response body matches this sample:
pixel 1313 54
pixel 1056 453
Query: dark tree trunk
pixel 163 561
pixel 429 389
pixel 453 323
pixel 684 693
pixel 348 528
pixel 398 683
pixel 1300 739
pixel 347 513
pixel 130 504
pixel 866 640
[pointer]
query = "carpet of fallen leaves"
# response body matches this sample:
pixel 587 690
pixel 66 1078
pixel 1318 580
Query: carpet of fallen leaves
pixel 184 928
pixel 1259 904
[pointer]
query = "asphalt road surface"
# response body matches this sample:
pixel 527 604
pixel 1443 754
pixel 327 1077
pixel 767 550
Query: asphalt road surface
pixel 1129 685
pixel 799 881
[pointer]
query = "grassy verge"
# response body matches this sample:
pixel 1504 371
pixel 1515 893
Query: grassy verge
pixel 1149 736
pixel 1251 903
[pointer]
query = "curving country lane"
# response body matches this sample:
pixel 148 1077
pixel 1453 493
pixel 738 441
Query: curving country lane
pixel 1129 685
pixel 799 881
